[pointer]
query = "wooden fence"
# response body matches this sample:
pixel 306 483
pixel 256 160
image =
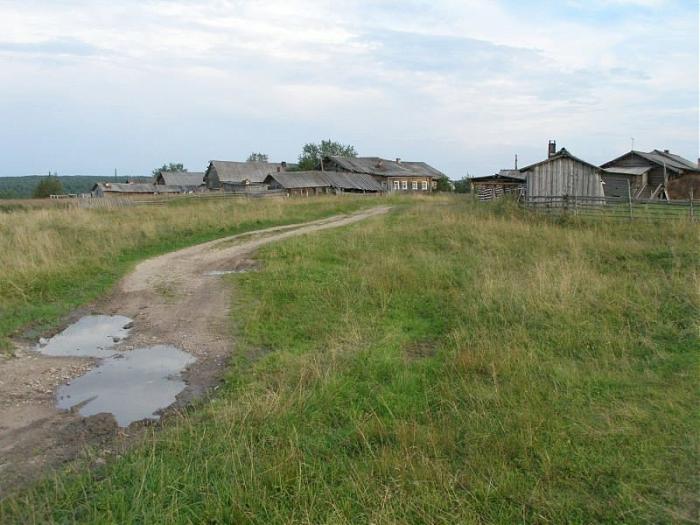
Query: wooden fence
pixel 145 200
pixel 613 207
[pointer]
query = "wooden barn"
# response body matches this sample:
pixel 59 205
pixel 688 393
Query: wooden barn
pixel 239 173
pixel 648 174
pixel 562 175
pixel 495 186
pixel 189 181
pixel 132 190
pixel 392 175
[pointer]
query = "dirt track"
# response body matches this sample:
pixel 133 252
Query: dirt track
pixel 172 300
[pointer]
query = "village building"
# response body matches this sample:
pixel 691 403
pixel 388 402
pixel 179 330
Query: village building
pixel 495 186
pixel 643 175
pixel 130 190
pixel 240 175
pixel 189 181
pixel 562 175
pixel 392 175
pixel 306 183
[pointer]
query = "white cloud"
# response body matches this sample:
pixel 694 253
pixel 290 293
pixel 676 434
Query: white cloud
pixel 456 82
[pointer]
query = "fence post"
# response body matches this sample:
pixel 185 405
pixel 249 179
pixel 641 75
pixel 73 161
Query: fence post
pixel 692 210
pixel 629 196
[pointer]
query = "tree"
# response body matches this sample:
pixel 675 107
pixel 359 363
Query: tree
pixel 312 154
pixel 463 185
pixel 169 167
pixel 48 186
pixel 444 184
pixel 257 157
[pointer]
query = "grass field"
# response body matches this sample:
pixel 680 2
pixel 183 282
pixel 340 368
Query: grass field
pixel 54 259
pixel 448 363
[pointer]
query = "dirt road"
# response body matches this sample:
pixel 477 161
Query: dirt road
pixel 174 300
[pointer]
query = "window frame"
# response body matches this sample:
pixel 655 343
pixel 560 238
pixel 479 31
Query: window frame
pixel 414 185
pixel 404 185
pixel 397 185
pixel 424 187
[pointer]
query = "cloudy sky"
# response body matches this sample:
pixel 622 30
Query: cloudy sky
pixel 90 86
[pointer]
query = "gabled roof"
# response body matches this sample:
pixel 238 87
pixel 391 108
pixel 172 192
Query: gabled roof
pixel 181 178
pixel 229 171
pixel 672 162
pixel 386 168
pixel 561 154
pixel 325 179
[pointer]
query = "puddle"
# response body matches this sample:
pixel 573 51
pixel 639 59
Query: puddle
pixel 132 385
pixel 91 336
pixel 224 272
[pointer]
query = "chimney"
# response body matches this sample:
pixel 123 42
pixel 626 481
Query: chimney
pixel 398 160
pixel 284 165
pixel 516 161
pixel 552 149
pixel 667 151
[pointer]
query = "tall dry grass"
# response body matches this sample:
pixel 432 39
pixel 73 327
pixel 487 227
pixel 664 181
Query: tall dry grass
pixel 53 259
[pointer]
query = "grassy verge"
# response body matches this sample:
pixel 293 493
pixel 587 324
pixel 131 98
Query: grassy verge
pixel 448 363
pixel 54 260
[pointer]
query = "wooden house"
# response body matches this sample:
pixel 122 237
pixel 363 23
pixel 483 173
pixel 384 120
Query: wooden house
pixel 391 175
pixel 189 181
pixel 562 175
pixel 645 175
pixel 239 173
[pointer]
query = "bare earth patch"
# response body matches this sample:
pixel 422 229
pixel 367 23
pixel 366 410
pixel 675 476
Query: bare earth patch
pixel 174 299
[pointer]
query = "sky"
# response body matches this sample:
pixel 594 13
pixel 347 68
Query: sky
pixel 87 87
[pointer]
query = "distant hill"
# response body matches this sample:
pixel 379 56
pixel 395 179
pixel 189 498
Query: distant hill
pixel 22 187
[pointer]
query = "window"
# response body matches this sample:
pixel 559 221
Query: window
pixel 425 185
pixel 414 185
pixel 404 184
pixel 396 185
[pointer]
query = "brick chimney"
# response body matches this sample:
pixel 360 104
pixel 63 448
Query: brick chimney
pixel 552 150
pixel 398 160
pixel 667 151
pixel 284 165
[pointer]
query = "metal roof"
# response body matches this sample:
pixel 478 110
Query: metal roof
pixel 229 171
pixel 181 178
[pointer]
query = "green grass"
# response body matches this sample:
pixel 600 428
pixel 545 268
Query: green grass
pixel 448 363
pixel 55 260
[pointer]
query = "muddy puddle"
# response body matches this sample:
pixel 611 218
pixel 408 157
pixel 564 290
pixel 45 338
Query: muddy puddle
pixel 91 336
pixel 132 385
pixel 214 273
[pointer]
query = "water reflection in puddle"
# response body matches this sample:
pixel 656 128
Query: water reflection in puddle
pixel 91 336
pixel 224 272
pixel 132 386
